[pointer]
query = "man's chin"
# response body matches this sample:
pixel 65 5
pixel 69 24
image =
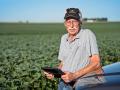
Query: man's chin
pixel 71 33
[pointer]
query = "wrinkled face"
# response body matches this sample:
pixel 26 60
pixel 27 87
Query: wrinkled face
pixel 72 26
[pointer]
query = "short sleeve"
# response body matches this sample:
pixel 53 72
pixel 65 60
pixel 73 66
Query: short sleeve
pixel 60 54
pixel 92 47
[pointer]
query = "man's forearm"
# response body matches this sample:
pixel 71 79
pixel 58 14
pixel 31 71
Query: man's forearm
pixel 93 66
pixel 87 69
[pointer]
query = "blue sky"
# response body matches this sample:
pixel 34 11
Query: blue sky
pixel 54 10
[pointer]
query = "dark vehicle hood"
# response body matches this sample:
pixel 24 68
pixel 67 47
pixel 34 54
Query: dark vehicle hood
pixel 112 76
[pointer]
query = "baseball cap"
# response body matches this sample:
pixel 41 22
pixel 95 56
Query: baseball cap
pixel 73 13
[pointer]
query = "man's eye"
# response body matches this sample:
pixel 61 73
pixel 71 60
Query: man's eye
pixel 68 22
pixel 75 22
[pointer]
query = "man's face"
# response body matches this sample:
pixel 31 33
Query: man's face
pixel 72 26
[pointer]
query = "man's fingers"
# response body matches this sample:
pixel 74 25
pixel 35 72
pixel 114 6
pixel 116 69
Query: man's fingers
pixel 49 75
pixel 65 78
pixel 46 73
pixel 65 75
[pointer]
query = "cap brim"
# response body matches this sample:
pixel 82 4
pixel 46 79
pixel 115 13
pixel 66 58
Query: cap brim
pixel 70 16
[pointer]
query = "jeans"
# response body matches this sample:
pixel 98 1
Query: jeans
pixel 63 86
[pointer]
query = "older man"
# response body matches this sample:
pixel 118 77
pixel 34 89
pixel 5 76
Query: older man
pixel 78 54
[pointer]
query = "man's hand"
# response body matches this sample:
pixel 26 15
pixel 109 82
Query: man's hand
pixel 49 76
pixel 68 76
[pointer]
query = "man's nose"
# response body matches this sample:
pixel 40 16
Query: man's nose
pixel 71 24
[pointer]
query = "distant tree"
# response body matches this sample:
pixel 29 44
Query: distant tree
pixel 27 21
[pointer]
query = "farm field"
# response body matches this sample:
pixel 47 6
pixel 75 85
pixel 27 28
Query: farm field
pixel 25 48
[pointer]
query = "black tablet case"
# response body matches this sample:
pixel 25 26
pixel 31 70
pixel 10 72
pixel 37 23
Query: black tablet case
pixel 55 71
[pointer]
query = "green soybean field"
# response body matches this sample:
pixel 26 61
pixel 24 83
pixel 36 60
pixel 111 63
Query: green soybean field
pixel 26 47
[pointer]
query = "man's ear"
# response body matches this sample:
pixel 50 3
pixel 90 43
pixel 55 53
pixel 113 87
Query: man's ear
pixel 65 23
pixel 80 22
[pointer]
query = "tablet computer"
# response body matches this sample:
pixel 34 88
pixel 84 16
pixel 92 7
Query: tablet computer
pixel 55 71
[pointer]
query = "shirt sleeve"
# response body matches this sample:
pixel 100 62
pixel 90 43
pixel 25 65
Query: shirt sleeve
pixel 92 46
pixel 60 54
